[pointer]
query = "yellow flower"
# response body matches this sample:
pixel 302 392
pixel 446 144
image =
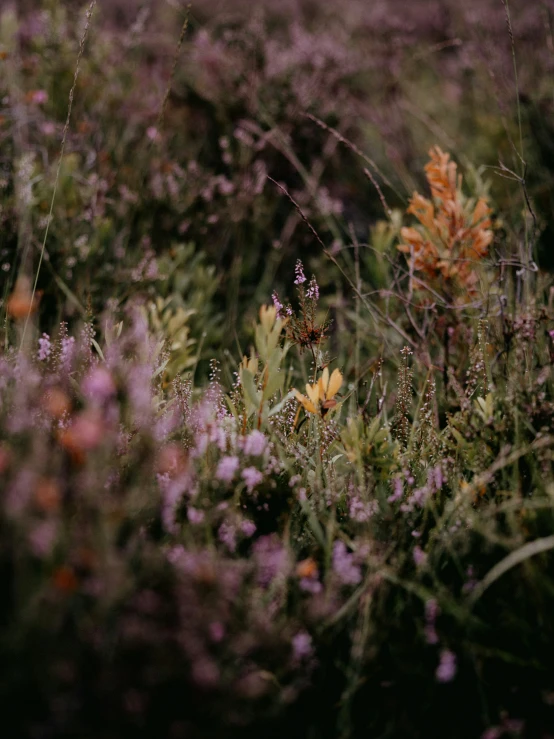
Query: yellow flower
pixel 321 394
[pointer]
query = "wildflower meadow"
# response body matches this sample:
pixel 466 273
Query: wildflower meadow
pixel 276 351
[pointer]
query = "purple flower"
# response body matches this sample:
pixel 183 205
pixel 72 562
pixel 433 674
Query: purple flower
pixel 361 511
pixel 226 468
pixel 419 556
pixel 251 477
pixel 98 385
pixel 313 290
pixel 271 559
pixel 42 538
pixel 39 97
pixel 255 444
pixel 277 303
pixel 45 347
pixel 217 631
pixel 248 528
pixel 67 349
pixel 398 490
pixel 446 670
pixel 310 585
pixel 343 565
pixel 302 645
pixel 227 535
pixel 299 273
pixel 194 515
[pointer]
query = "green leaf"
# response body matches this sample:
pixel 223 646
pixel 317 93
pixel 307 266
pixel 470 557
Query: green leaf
pixel 252 395
pixel 512 560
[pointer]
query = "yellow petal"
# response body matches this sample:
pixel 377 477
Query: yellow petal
pixel 324 382
pixel 314 392
pixel 308 405
pixel 334 384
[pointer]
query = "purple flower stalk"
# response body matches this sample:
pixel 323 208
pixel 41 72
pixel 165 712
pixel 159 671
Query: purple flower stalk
pixel 446 671
pixel 313 290
pixel 299 273
pixel 45 347
pixel 277 304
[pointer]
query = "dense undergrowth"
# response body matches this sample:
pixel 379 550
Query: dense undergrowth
pixel 276 414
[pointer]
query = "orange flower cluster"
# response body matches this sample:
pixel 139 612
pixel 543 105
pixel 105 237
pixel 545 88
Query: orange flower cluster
pixel 454 232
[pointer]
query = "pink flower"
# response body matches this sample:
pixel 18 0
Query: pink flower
pixel 343 565
pixel 38 97
pixel 45 347
pixel 302 645
pixel 248 528
pixel 419 556
pixel 227 535
pixel 194 515
pixel 226 468
pixel 252 477
pixel 277 303
pixel 299 273
pixel 313 290
pixel 310 585
pixel 446 670
pixel 255 444
pixel 98 385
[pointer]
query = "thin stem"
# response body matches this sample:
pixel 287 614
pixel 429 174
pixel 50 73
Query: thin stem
pixel 82 42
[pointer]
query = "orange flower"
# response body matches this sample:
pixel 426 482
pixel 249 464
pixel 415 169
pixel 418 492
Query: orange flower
pixel 56 403
pixel 65 579
pixel 321 394
pixel 452 234
pixel 21 302
pixel 47 495
pixel 441 175
pixel 307 568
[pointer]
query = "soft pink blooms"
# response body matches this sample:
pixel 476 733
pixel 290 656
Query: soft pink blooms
pixel 226 468
pixel 344 566
pixel 67 350
pixel 38 97
pixel 248 528
pixel 446 671
pixel 313 290
pixel 42 538
pixel 398 490
pixel 98 386
pixel 271 559
pixel 255 444
pixel 45 347
pixel 277 303
pixel 227 534
pixel 252 477
pixel 48 128
pixel 299 273
pixel 302 645
pixel 217 631
pixel 194 515
pixel 419 556
pixel 360 510
pixel 310 585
